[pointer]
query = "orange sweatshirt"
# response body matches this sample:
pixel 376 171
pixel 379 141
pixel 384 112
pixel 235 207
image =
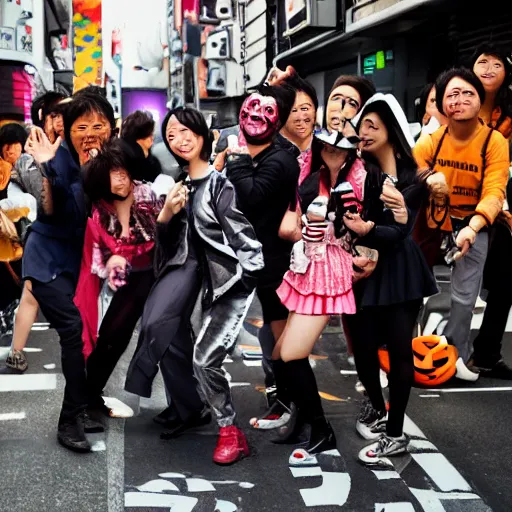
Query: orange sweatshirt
pixel 472 190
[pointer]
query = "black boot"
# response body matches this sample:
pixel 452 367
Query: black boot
pixel 92 426
pixel 282 380
pixel 304 393
pixel 71 434
pixel 322 436
pixel 177 426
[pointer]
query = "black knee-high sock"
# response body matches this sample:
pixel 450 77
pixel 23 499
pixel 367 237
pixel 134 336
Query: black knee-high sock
pixel 282 381
pixel 304 390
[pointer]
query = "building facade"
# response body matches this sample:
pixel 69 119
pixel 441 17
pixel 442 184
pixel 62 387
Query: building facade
pixel 400 44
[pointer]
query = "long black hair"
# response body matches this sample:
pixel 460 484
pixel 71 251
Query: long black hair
pixel 504 95
pixel 194 121
pixel 405 163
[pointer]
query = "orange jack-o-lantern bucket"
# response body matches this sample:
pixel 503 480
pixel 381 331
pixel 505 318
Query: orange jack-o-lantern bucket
pixel 434 360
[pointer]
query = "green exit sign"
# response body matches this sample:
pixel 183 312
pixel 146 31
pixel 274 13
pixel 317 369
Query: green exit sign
pixel 380 58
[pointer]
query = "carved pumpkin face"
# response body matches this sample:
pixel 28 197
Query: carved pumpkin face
pixel 434 360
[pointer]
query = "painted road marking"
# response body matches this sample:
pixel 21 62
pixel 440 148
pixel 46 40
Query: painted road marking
pixel 174 502
pixel 441 471
pixel 401 506
pixel 385 474
pixel 12 416
pixel 472 390
pixel 155 494
pixel 28 382
pixel 334 490
pixel 159 485
pixel 199 485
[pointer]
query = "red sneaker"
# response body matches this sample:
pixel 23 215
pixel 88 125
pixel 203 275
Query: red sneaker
pixel 231 446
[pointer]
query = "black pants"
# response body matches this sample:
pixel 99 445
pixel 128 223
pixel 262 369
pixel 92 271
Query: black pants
pixel 392 326
pixel 166 340
pixel 56 302
pixel 487 345
pixel 11 290
pixel 116 331
pixel 498 281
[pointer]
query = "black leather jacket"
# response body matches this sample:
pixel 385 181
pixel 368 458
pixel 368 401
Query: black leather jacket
pixel 230 245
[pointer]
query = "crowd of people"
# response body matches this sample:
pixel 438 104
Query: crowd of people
pixel 348 220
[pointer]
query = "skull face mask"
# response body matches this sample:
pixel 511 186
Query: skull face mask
pixel 259 119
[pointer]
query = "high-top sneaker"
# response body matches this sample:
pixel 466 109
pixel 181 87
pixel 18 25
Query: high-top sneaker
pixel 16 363
pixel 71 434
pixel 371 423
pixel 277 415
pixel 231 446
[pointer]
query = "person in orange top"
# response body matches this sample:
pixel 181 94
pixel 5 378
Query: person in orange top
pixel 471 164
pixel 495 72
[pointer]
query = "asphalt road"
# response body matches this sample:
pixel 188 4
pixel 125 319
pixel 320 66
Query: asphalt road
pixel 458 460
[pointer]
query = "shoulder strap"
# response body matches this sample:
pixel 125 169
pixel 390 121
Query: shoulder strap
pixel 484 149
pixel 439 144
pixel 483 154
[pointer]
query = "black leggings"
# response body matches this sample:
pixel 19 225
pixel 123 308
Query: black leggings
pixel 392 326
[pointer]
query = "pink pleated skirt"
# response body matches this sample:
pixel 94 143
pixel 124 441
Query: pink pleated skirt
pixel 313 304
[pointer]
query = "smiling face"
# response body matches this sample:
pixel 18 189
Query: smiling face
pixel 461 101
pixel 343 96
pixel 373 133
pixel 259 119
pixel 491 72
pixel 301 122
pixel 183 141
pixel 89 132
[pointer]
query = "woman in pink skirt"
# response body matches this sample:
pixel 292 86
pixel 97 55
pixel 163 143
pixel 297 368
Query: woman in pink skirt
pixel 319 284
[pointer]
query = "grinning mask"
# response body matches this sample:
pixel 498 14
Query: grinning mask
pixel 259 119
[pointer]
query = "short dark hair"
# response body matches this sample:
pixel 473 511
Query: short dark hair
pixel 12 133
pixel 138 125
pixel 96 172
pixel 91 89
pixel 298 84
pixel 43 103
pixel 82 104
pixel 362 85
pixel 194 121
pixel 465 74
pixel 284 96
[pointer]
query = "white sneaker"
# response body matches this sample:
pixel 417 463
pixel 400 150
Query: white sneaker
pixel 359 387
pixel 463 372
pixel 383 379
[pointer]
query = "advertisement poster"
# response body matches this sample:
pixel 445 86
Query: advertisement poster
pixel 16 26
pixel 87 43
